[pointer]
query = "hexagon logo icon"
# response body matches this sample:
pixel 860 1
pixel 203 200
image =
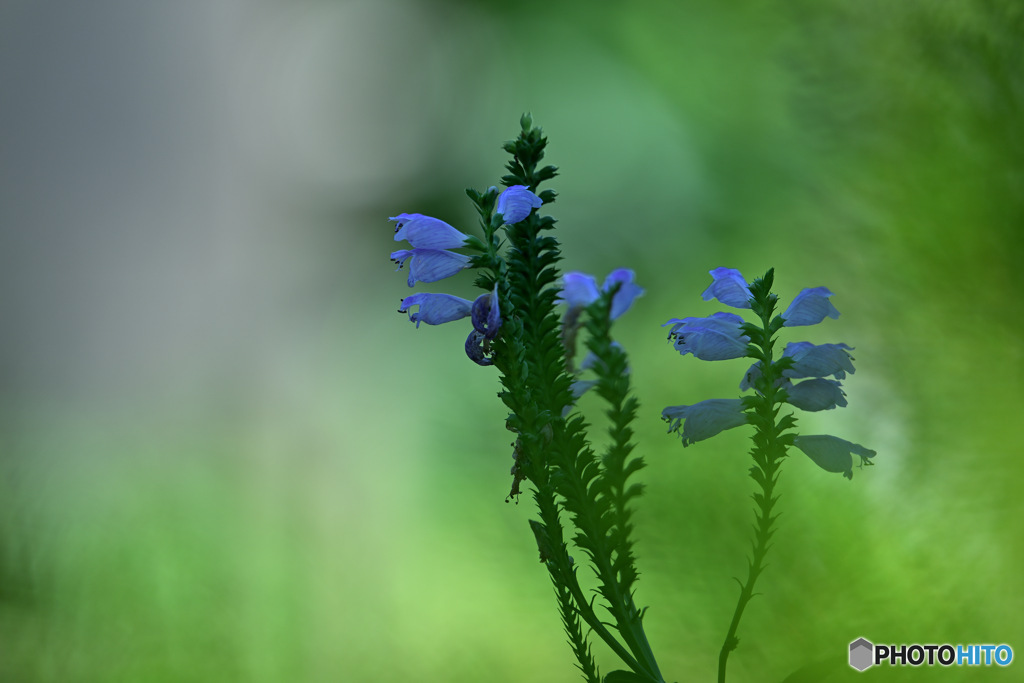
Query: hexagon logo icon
pixel 861 654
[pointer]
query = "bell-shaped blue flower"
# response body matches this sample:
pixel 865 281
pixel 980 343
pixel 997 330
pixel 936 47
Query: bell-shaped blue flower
pixel 705 419
pixel 435 309
pixel 824 360
pixel 628 290
pixel 833 454
pixel 516 203
pixel 425 232
pixel 430 265
pixel 810 307
pixel 717 337
pixel 579 290
pixel 729 287
pixel 816 394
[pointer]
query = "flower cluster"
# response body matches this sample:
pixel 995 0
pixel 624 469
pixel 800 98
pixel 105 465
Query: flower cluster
pixel 431 259
pixel 725 336
pixel 580 290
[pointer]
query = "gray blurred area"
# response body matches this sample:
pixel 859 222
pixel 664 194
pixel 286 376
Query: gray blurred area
pixel 152 158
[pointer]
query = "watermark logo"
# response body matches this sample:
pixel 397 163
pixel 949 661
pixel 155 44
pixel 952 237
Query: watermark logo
pixel 865 654
pixel 861 654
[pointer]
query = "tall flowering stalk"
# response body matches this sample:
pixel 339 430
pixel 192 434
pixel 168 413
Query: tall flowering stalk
pixel 529 322
pixel 726 336
pixel 517 328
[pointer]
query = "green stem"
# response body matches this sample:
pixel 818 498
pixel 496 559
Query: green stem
pixel 767 453
pixel 754 568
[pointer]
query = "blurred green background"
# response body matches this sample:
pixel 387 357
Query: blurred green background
pixel 223 456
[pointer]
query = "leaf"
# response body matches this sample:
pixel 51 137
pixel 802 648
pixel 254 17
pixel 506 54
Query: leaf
pixel 624 677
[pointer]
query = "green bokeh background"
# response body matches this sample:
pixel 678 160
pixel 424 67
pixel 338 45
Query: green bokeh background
pixel 223 456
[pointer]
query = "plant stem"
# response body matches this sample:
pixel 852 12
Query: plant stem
pixel 754 568
pixel 768 453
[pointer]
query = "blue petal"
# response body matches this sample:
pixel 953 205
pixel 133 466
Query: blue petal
pixel 430 265
pixel 810 307
pixel 515 203
pixel 816 394
pixel 833 454
pixel 729 287
pixel 705 419
pixel 426 232
pixel 628 291
pixel 579 290
pixel 435 309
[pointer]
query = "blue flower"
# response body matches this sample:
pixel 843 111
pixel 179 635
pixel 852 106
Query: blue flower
pixel 705 419
pixel 515 203
pixel 811 395
pixel 435 309
pixel 430 265
pixel 729 287
pixel 816 394
pixel 425 232
pixel 833 454
pixel 810 307
pixel 431 239
pixel 718 337
pixel 628 290
pixel 579 290
pixel 823 360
